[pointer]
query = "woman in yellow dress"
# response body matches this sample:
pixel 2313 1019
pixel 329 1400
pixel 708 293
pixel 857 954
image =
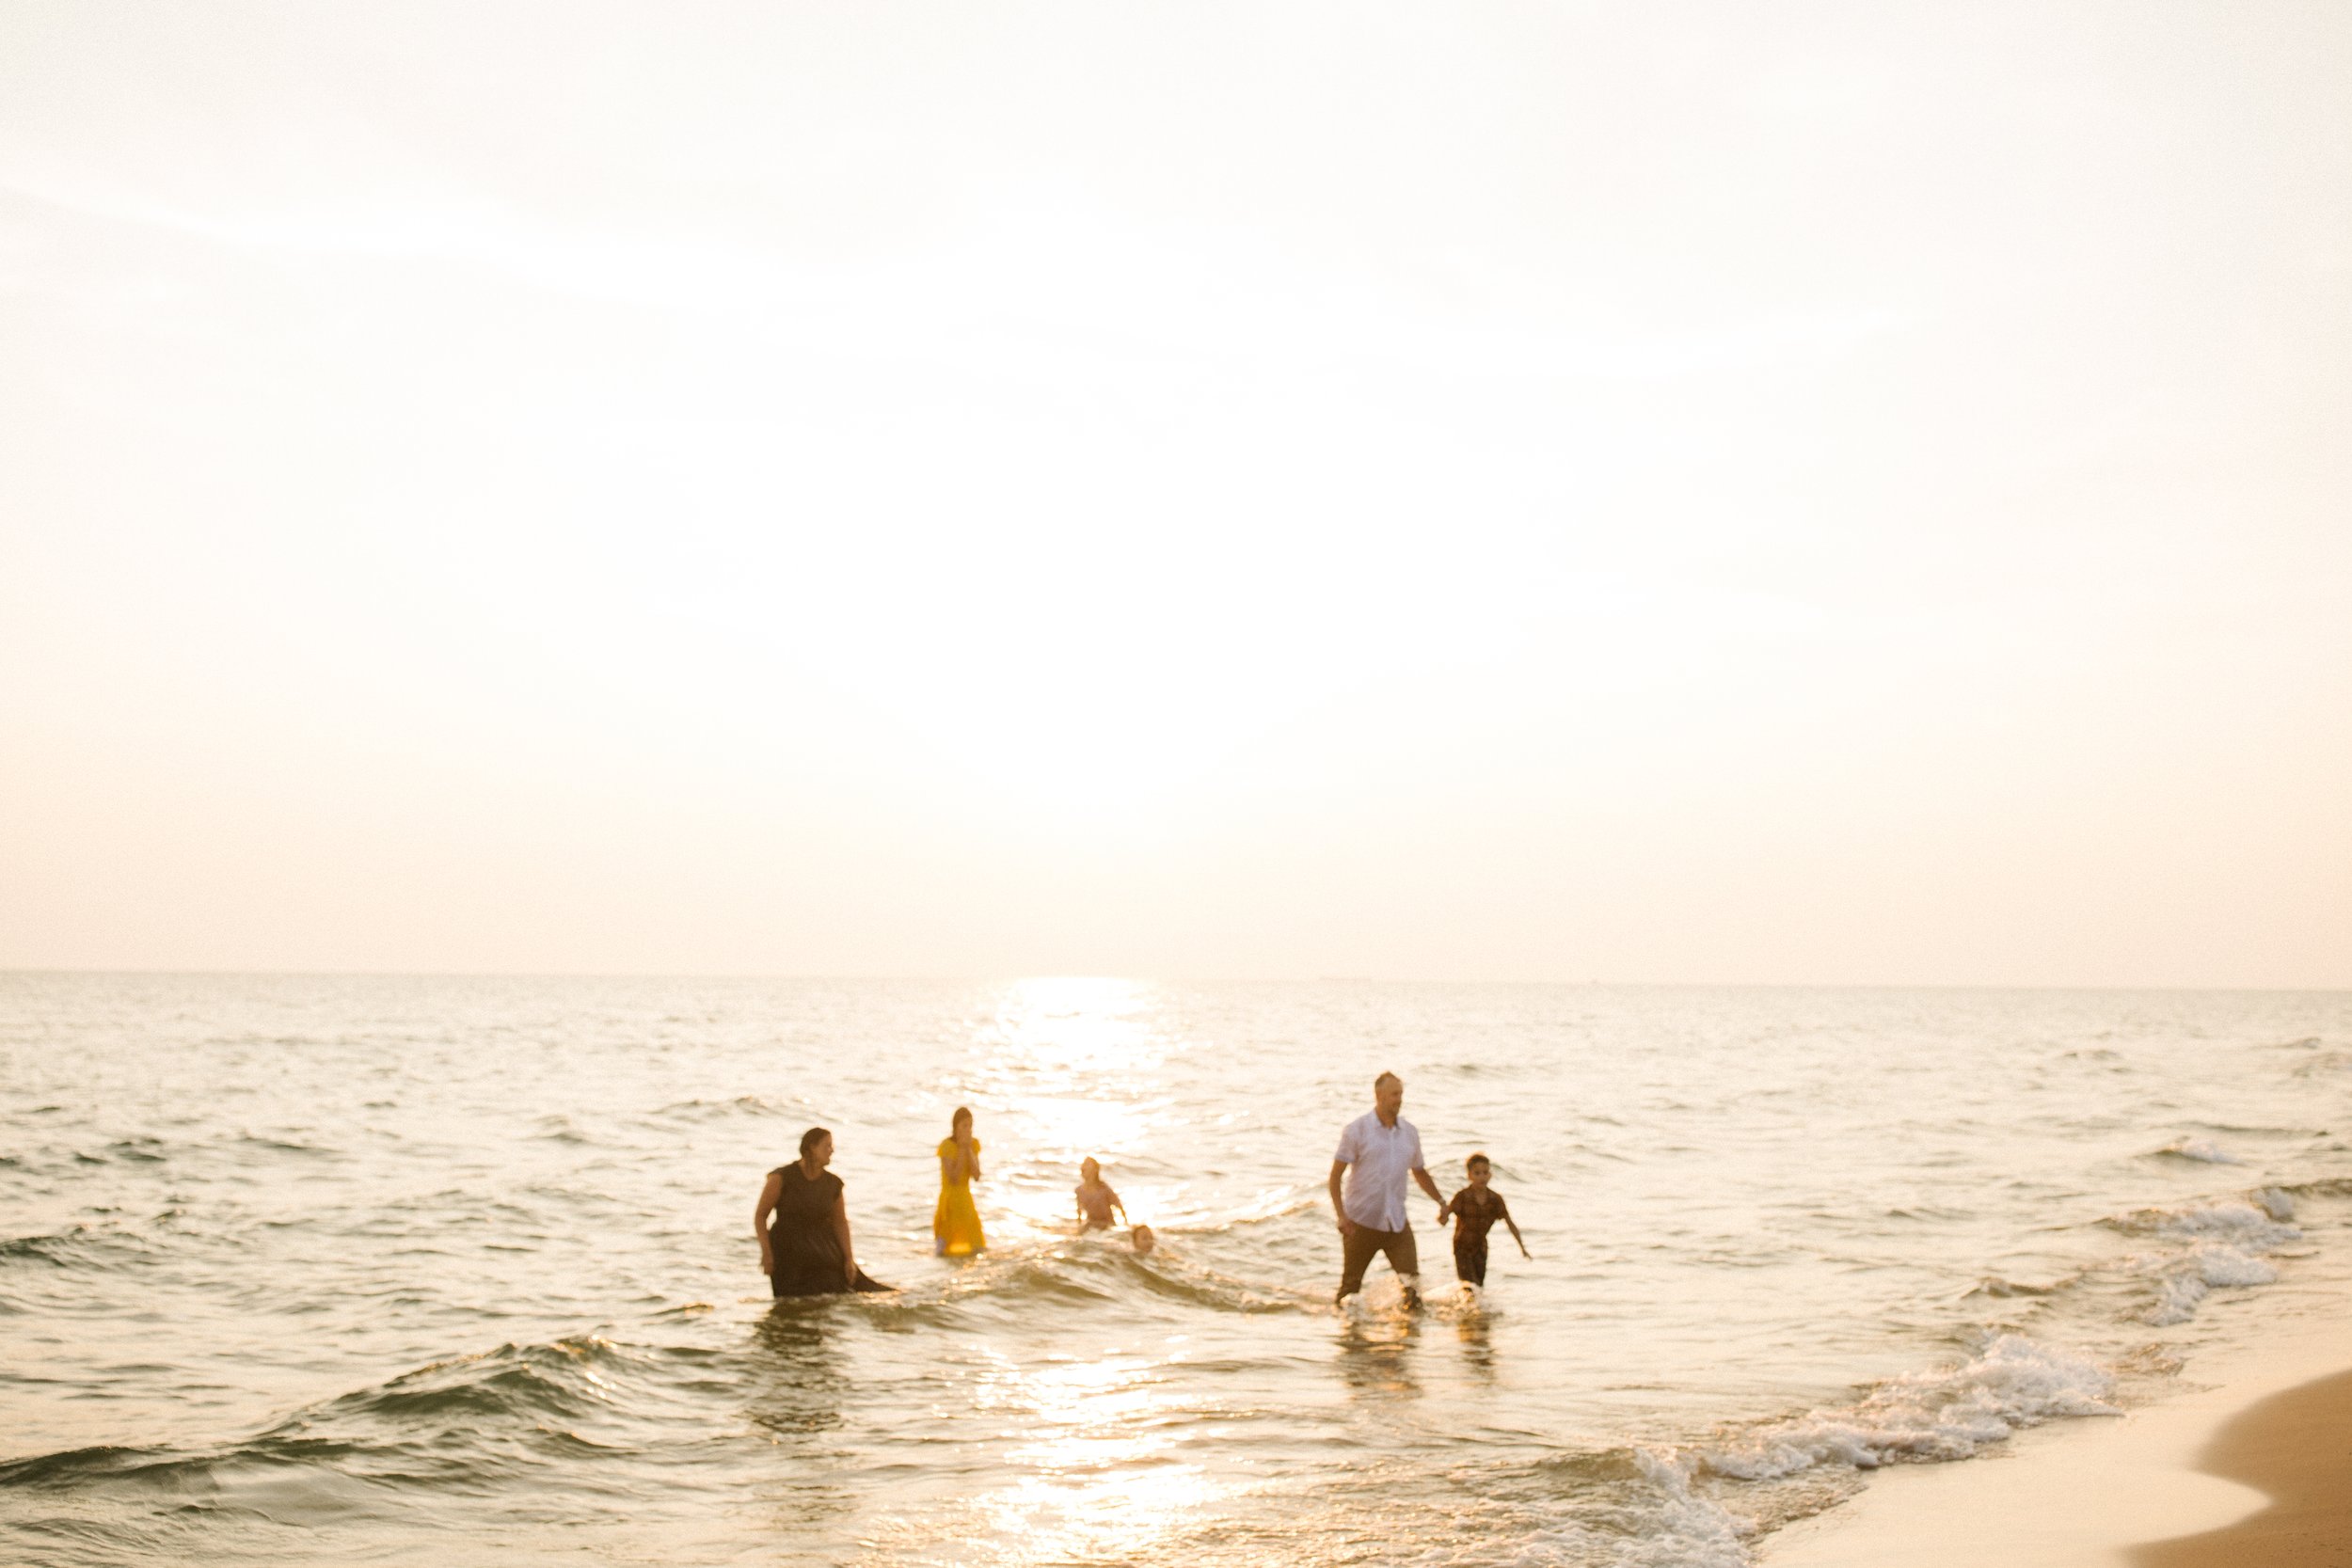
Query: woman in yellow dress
pixel 956 1223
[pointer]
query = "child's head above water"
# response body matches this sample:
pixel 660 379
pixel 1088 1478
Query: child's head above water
pixel 1090 1169
pixel 1142 1238
pixel 1480 1169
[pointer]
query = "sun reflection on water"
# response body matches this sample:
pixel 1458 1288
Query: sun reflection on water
pixel 1093 1471
pixel 1097 1480
pixel 1074 1065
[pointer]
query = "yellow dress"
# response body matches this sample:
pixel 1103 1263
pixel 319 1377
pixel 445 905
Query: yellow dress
pixel 956 1223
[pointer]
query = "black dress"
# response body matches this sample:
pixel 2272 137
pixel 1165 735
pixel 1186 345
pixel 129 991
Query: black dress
pixel 801 1237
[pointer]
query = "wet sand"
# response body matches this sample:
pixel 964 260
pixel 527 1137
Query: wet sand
pixel 2296 1449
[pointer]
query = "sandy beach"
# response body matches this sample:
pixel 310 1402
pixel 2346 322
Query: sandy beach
pixel 2248 1463
pixel 2296 1449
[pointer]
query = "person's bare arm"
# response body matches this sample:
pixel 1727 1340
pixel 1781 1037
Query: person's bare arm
pixel 770 1192
pixel 841 1234
pixel 1430 1186
pixel 1515 1236
pixel 1443 1210
pixel 962 1162
pixel 1347 1226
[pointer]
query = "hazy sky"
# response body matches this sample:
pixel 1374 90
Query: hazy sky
pixel 1639 492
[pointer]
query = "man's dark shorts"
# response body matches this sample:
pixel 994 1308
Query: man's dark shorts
pixel 1363 1242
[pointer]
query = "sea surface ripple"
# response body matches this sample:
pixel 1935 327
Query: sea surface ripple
pixel 301 1270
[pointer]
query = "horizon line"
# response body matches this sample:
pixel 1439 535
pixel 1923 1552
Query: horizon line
pixel 1002 979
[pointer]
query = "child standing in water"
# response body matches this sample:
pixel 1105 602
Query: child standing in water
pixel 1475 1208
pixel 1096 1200
pixel 956 1223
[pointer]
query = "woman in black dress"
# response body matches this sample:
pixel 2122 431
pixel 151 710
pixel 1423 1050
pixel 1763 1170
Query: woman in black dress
pixel 805 1250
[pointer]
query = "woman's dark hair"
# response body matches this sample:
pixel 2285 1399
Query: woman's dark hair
pixel 963 1112
pixel 811 1138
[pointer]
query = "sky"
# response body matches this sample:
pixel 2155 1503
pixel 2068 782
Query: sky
pixel 1647 493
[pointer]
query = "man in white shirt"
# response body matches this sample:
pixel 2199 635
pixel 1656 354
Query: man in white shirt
pixel 1376 1152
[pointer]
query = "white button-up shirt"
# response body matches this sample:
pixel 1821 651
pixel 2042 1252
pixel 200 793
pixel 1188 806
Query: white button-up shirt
pixel 1379 1161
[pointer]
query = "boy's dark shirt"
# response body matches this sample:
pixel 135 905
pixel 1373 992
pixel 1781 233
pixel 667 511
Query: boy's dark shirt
pixel 1472 1218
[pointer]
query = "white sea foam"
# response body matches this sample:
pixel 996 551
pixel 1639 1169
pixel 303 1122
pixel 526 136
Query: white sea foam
pixel 1949 1414
pixel 2238 1221
pixel 1676 1526
pixel 2222 1248
pixel 2184 1283
pixel 1699 1532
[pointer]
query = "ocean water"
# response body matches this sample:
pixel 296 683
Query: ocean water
pixel 457 1271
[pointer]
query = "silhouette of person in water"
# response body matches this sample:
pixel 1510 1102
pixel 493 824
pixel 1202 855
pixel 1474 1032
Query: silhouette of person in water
pixel 1475 1208
pixel 1377 1152
pixel 802 1222
pixel 956 1222
pixel 1096 1198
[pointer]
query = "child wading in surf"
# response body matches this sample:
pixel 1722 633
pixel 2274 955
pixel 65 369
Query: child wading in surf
pixel 1096 1200
pixel 1475 1208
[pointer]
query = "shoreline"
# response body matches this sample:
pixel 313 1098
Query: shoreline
pixel 2223 1470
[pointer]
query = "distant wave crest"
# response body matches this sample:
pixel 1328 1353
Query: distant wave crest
pixel 2204 1150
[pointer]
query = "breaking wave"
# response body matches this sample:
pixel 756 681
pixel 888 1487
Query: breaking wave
pixel 2213 1247
pixel 2012 1383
